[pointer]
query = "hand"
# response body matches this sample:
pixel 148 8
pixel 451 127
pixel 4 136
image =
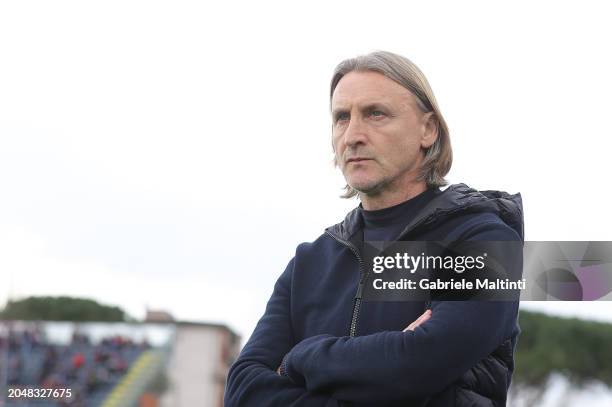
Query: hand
pixel 418 321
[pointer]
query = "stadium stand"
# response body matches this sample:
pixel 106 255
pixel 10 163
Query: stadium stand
pixel 91 371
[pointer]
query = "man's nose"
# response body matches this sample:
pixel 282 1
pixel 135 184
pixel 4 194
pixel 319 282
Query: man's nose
pixel 355 133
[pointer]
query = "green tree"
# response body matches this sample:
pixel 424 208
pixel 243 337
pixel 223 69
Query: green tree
pixel 579 350
pixel 61 309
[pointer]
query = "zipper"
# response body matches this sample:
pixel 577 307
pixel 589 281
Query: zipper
pixel 364 274
pixel 362 278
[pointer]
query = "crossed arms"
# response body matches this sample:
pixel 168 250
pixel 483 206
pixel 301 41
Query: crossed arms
pixel 384 367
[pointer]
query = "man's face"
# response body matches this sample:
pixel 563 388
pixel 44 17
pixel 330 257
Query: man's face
pixel 379 132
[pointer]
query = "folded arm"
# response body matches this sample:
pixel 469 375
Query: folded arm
pixel 392 366
pixel 252 380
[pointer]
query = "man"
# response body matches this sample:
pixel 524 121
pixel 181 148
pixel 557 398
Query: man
pixel 319 343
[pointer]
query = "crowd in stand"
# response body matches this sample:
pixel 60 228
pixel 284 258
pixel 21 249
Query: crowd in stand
pixel 89 370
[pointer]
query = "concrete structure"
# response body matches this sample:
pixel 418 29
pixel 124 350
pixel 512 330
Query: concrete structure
pixel 198 365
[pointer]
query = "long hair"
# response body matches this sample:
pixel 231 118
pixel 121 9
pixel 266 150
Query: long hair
pixel 439 156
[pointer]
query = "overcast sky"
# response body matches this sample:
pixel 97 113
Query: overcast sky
pixel 173 154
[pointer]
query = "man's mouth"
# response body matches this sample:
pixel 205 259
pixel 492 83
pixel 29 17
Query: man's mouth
pixel 357 159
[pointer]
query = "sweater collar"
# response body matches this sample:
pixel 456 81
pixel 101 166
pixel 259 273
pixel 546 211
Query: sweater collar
pixel 457 198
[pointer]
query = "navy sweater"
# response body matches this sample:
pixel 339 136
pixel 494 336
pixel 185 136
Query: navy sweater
pixel 446 361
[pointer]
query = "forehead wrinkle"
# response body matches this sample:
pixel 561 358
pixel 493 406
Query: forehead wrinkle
pixel 405 102
pixel 393 96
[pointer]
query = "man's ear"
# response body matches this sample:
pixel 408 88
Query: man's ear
pixel 430 135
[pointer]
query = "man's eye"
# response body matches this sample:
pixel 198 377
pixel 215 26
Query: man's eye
pixel 342 117
pixel 377 113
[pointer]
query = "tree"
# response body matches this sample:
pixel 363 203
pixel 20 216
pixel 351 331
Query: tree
pixel 61 309
pixel 579 350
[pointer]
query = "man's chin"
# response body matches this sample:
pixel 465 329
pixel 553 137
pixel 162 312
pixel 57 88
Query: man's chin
pixel 367 188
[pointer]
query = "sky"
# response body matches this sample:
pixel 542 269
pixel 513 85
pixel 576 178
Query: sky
pixel 172 155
